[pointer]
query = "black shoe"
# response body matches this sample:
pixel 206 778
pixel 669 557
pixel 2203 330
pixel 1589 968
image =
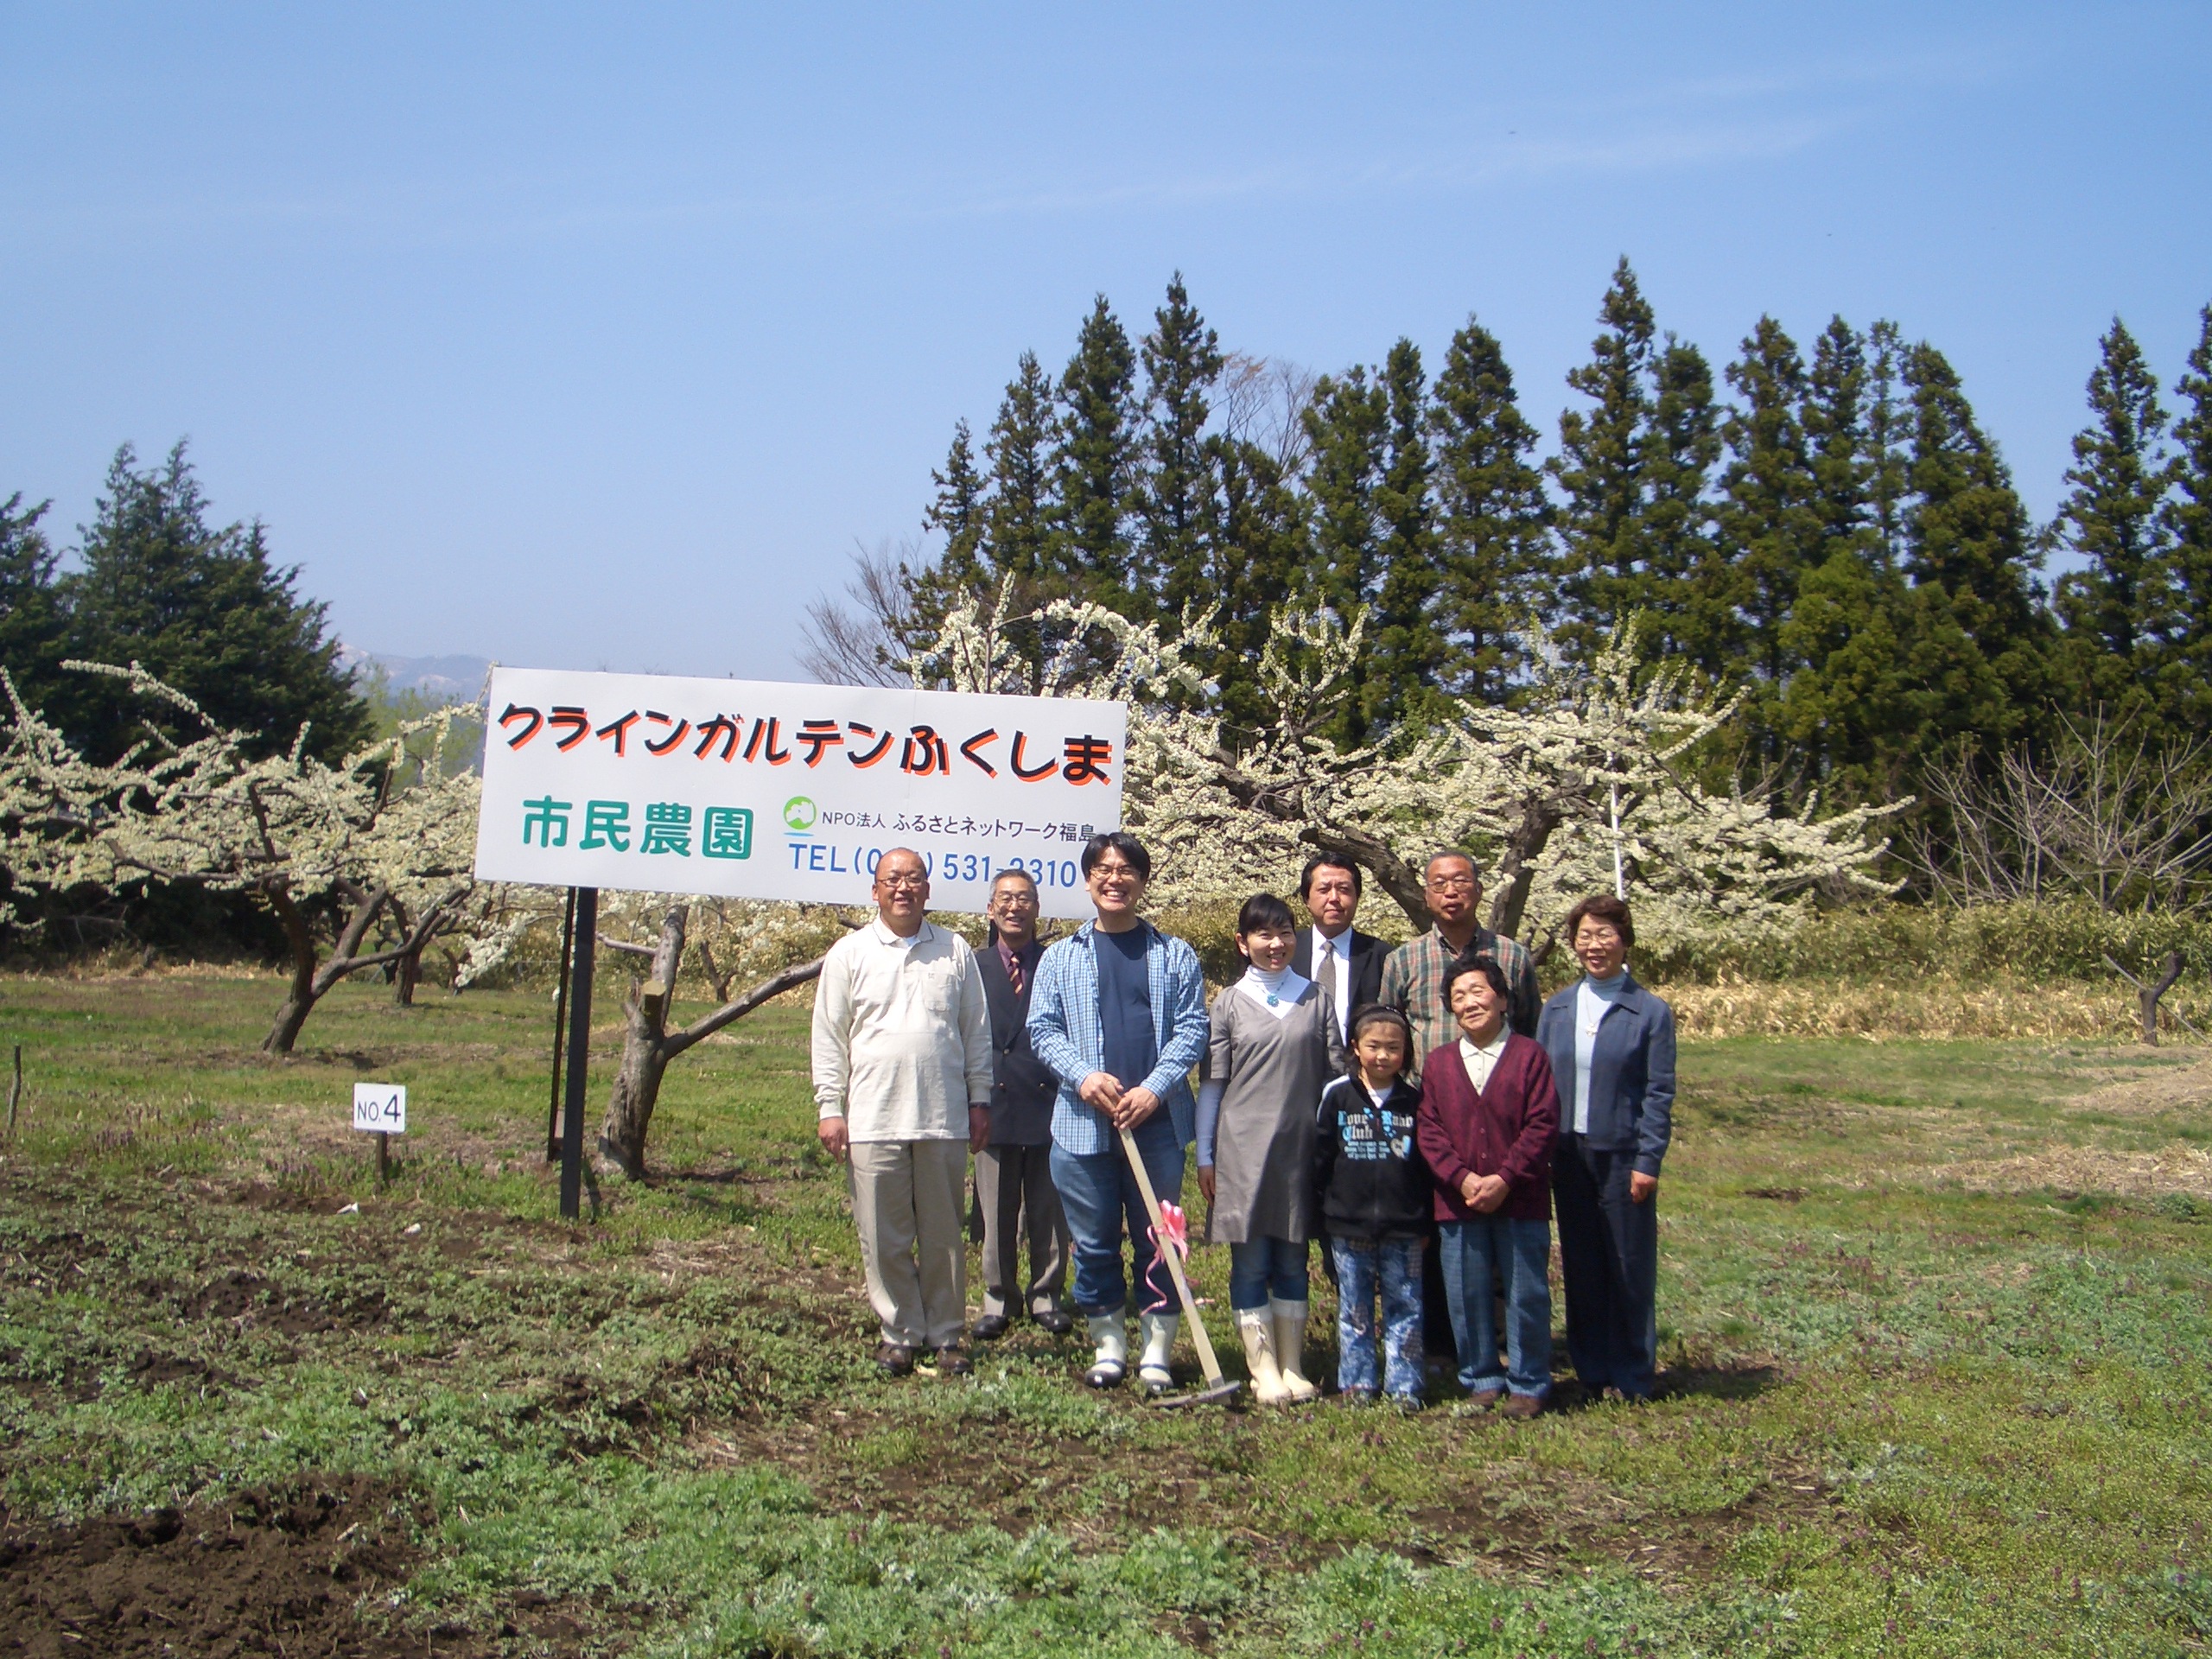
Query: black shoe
pixel 1106 1374
pixel 1054 1320
pixel 952 1360
pixel 893 1358
pixel 989 1328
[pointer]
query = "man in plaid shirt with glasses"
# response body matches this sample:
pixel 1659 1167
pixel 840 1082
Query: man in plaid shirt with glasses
pixel 1412 978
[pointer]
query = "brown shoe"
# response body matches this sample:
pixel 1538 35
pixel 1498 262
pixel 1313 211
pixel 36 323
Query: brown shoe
pixel 1483 1399
pixel 952 1360
pixel 893 1358
pixel 1522 1405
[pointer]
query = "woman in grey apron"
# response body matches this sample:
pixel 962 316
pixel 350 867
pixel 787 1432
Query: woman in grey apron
pixel 1275 1048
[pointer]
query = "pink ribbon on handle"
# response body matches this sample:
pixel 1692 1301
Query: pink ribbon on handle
pixel 1177 1228
pixel 1173 1233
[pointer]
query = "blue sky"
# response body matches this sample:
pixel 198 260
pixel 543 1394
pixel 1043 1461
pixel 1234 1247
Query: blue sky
pixel 597 338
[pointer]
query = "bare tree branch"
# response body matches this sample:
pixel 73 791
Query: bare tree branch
pixel 861 640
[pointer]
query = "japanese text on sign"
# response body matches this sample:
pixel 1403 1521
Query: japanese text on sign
pixel 762 790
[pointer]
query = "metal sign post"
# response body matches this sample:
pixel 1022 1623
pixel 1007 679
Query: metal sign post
pixel 572 1115
pixel 560 1020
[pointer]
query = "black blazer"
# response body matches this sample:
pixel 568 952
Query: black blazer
pixel 1023 1087
pixel 1367 954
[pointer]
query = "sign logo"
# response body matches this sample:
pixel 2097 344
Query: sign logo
pixel 798 813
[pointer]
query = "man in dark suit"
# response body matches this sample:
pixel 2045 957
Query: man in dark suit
pixel 1350 961
pixel 1013 1177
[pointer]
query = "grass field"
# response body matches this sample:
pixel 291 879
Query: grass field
pixel 1934 1321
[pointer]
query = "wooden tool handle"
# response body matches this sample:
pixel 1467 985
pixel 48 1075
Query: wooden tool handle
pixel 1207 1361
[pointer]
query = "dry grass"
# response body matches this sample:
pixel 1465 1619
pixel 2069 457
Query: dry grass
pixel 1913 1007
pixel 2188 1090
pixel 2175 1167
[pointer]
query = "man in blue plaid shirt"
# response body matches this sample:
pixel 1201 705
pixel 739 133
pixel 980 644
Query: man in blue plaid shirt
pixel 1119 1014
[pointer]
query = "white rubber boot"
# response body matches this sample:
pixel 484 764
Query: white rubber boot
pixel 1159 1342
pixel 1110 1337
pixel 1257 1331
pixel 1290 1349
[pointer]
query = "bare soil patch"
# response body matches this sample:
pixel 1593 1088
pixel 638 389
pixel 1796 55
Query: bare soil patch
pixel 279 1574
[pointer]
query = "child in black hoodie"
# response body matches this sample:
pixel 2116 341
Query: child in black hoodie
pixel 1374 1196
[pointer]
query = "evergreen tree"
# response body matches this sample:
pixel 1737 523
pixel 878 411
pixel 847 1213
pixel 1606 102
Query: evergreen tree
pixel 1492 519
pixel 1182 362
pixel 959 511
pixel 1406 641
pixel 1018 527
pixel 1600 470
pixel 1096 467
pixel 1979 635
pixel 1831 418
pixel 1849 712
pixel 2118 612
pixel 1258 548
pixel 1348 428
pixel 1771 520
pixel 1889 431
pixel 1846 707
pixel 1686 581
pixel 31 622
pixel 205 610
pixel 2189 526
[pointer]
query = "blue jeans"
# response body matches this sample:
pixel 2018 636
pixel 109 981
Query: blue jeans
pixel 1096 1193
pixel 1520 1251
pixel 1265 1268
pixel 1391 1266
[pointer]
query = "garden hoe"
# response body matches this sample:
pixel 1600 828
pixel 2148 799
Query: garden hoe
pixel 1217 1388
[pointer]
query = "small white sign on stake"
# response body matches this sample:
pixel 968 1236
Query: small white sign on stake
pixel 380 1108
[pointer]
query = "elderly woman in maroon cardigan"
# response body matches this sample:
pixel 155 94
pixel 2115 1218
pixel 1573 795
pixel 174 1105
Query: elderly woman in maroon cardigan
pixel 1489 1114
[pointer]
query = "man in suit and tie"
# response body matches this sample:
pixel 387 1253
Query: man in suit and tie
pixel 1350 961
pixel 1014 1176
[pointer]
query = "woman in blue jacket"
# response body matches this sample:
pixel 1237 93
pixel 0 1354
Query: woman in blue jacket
pixel 1611 1045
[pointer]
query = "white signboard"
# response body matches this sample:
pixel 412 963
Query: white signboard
pixel 753 789
pixel 381 1107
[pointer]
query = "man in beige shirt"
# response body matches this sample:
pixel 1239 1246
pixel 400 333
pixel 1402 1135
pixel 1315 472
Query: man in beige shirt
pixel 902 1084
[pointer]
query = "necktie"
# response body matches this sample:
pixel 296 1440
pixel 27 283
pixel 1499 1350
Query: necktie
pixel 1013 968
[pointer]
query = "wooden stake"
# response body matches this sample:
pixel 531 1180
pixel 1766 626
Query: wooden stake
pixel 16 1091
pixel 384 1161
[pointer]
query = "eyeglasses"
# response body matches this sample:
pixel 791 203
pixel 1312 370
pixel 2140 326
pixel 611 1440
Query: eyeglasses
pixel 1111 871
pixel 1453 884
pixel 900 883
pixel 1012 898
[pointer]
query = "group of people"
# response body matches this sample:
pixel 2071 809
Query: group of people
pixel 1420 1110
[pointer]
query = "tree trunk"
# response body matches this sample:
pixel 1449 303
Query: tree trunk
pixel 2147 996
pixel 1401 880
pixel 636 1080
pixel 299 999
pixel 310 982
pixel 649 1045
pixel 406 969
pixel 1516 872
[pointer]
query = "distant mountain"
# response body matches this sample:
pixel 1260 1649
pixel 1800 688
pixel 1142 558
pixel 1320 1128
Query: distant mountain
pixel 434 679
